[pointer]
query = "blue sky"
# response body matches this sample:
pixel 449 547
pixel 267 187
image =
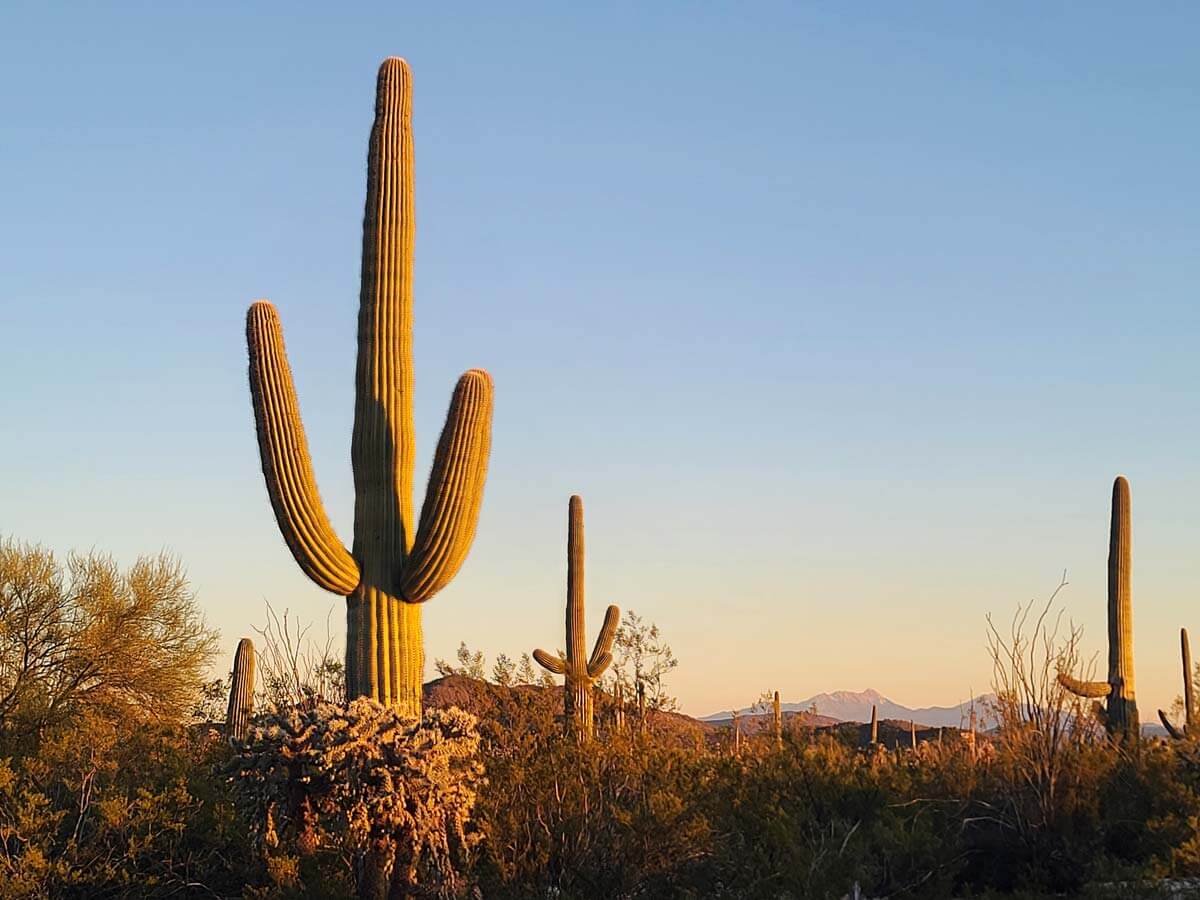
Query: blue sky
pixel 841 319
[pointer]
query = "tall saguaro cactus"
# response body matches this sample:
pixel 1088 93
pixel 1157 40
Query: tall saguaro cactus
pixel 1120 716
pixel 1189 705
pixel 392 568
pixel 580 670
pixel 241 692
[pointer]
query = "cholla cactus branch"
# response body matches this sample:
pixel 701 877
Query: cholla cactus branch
pixel 581 671
pixel 1120 715
pixel 392 567
pixel 241 692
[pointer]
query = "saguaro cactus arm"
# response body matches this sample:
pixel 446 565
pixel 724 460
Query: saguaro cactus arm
pixel 1177 733
pixel 455 493
pixel 552 662
pixel 1185 653
pixel 602 652
pixel 1090 690
pixel 286 465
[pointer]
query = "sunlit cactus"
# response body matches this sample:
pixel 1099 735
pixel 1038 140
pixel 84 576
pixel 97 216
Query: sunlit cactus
pixel 777 720
pixel 1189 708
pixel 618 708
pixel 912 729
pixel 579 670
pixel 874 726
pixel 1120 716
pixel 241 692
pixel 393 567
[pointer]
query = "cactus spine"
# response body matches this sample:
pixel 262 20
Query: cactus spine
pixel 392 568
pixel 777 721
pixel 1189 708
pixel 580 670
pixel 241 692
pixel 1120 716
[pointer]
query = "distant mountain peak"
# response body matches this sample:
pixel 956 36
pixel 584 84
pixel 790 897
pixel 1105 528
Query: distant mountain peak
pixel 855 706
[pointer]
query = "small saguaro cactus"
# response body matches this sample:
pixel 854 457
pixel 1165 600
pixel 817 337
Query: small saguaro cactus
pixel 618 708
pixel 874 726
pixel 393 568
pixel 580 671
pixel 777 720
pixel 912 729
pixel 1120 717
pixel 241 692
pixel 1189 708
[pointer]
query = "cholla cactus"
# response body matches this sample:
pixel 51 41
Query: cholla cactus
pixel 393 567
pixel 777 721
pixel 1120 715
pixel 1189 708
pixel 395 792
pixel 580 671
pixel 241 692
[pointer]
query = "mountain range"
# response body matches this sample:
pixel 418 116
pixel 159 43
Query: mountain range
pixel 855 706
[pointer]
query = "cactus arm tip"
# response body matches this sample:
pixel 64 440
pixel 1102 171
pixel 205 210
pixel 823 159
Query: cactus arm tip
pixel 604 641
pixel 1174 732
pixel 450 513
pixel 551 662
pixel 1089 689
pixel 286 465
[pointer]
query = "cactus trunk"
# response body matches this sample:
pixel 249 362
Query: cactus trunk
pixel 874 726
pixel 392 568
pixel 241 692
pixel 1122 704
pixel 777 720
pixel 1120 715
pixel 580 671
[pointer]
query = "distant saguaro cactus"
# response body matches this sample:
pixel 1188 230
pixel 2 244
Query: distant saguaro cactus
pixel 393 568
pixel 241 692
pixel 1120 716
pixel 1189 707
pixel 618 708
pixel 912 728
pixel 580 670
pixel 874 726
pixel 777 721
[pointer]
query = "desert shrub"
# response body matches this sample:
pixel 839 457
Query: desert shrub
pixel 111 810
pixel 87 637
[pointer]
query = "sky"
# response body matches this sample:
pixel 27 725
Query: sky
pixel 841 318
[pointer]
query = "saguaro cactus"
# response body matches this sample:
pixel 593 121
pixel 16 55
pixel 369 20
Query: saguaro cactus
pixel 241 692
pixel 777 720
pixel 912 730
pixel 1120 716
pixel 392 568
pixel 1189 707
pixel 580 670
pixel 874 726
